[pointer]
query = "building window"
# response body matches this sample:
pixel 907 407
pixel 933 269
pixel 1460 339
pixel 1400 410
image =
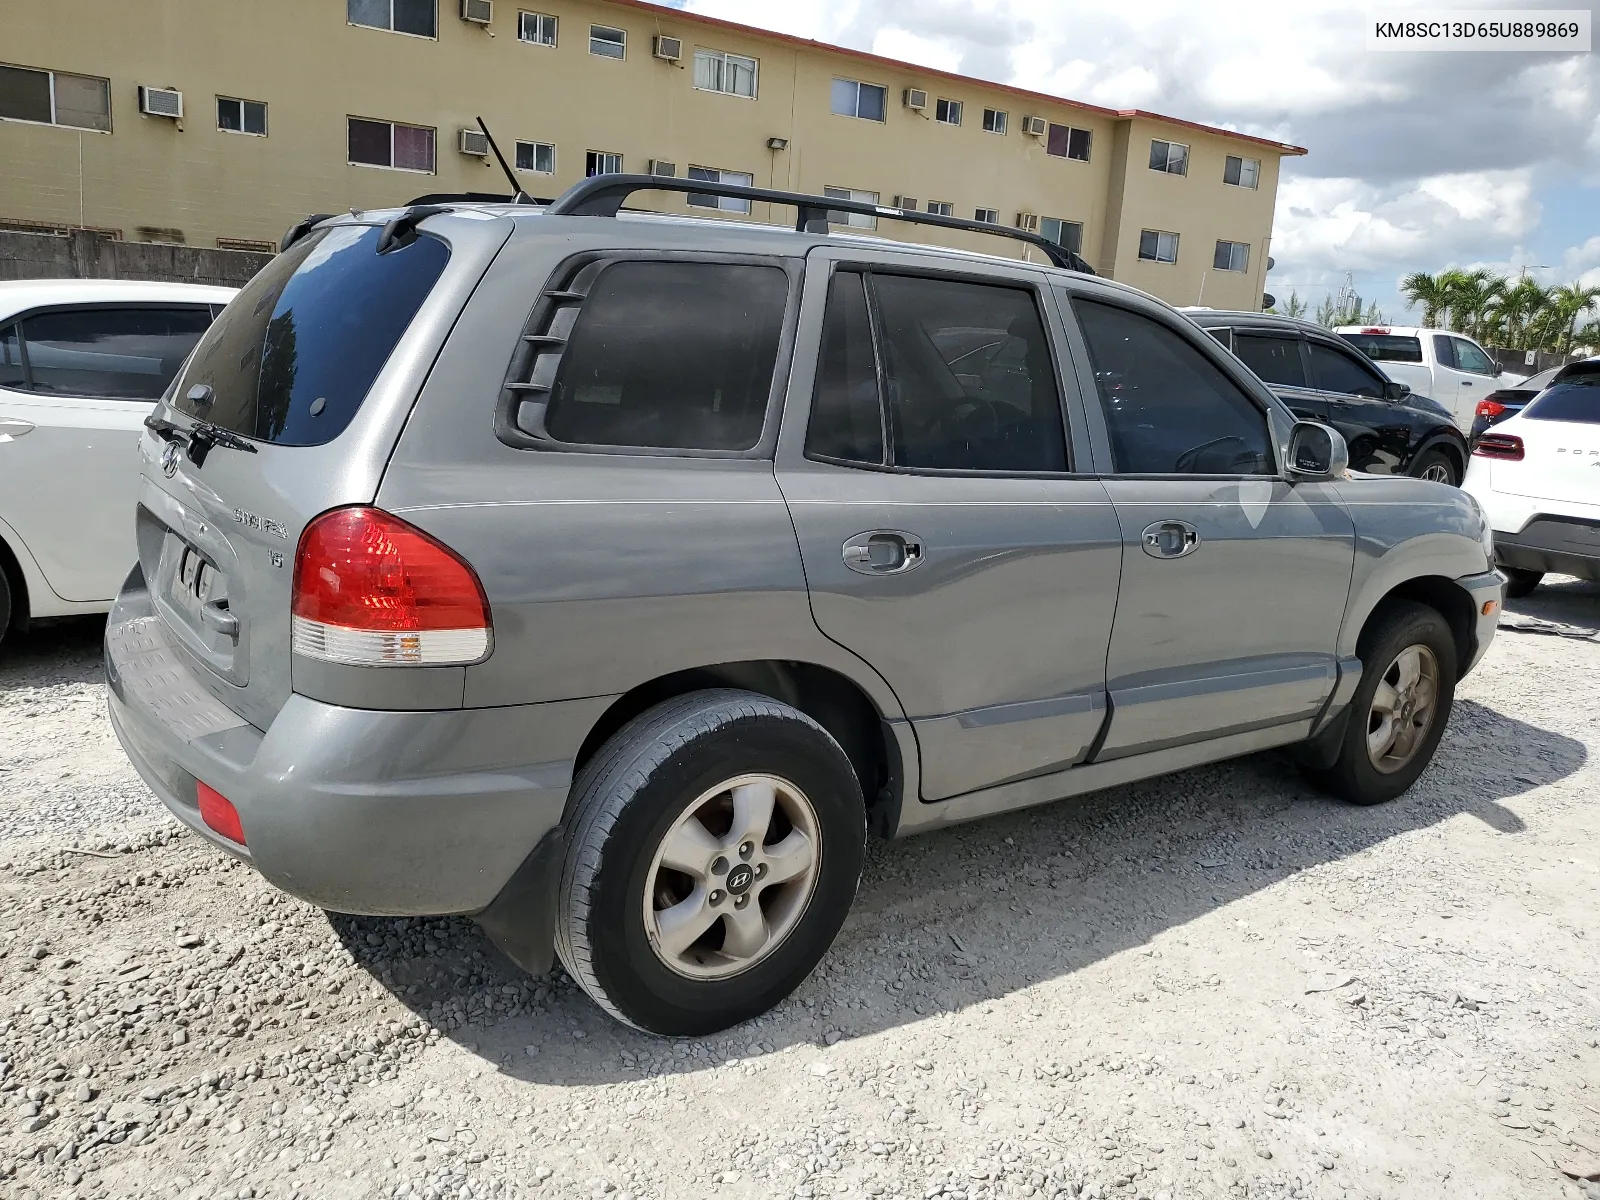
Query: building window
pixel 419 17
pixel 1171 157
pixel 242 116
pixel 865 100
pixel 941 208
pixel 55 98
pixel 1068 234
pixel 730 74
pixel 853 220
pixel 1066 142
pixel 1241 172
pixel 906 203
pixel 988 216
pixel 1156 246
pixel 389 144
pixel 538 28
pixel 1232 256
pixel 994 120
pixel 608 42
pixel 601 162
pixel 253 245
pixel 947 112
pixel 722 203
pixel 536 156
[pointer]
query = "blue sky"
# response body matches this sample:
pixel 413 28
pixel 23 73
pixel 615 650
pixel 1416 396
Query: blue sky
pixel 1418 161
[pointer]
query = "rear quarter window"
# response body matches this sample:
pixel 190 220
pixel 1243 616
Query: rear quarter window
pixel 292 358
pixel 671 355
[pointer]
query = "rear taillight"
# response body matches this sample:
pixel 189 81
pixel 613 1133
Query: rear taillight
pixel 1490 409
pixel 1499 445
pixel 373 591
pixel 219 814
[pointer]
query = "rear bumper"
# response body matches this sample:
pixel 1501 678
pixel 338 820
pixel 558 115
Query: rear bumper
pixel 1563 545
pixel 357 811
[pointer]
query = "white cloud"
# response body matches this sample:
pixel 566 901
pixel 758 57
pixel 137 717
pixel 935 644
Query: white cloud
pixel 937 53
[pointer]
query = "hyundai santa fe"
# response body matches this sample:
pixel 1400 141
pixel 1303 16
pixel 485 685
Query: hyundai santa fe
pixel 609 577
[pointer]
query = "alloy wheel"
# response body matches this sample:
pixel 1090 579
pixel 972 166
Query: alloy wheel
pixel 1402 709
pixel 1437 472
pixel 732 877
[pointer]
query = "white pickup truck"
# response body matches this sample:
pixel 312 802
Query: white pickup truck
pixel 1447 367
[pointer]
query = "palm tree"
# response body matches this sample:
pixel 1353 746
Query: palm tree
pixel 1471 295
pixel 1513 314
pixel 1567 304
pixel 1432 292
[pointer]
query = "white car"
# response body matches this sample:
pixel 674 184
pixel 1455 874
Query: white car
pixel 1448 367
pixel 82 363
pixel 1537 477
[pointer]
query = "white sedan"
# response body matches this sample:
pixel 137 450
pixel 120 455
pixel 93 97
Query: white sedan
pixel 1537 476
pixel 82 363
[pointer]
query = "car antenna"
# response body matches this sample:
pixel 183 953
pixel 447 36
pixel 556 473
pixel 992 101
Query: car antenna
pixel 518 196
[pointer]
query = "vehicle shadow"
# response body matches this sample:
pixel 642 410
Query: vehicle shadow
pixel 53 652
pixel 965 915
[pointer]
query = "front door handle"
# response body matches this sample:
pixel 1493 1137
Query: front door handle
pixel 883 552
pixel 11 428
pixel 1170 539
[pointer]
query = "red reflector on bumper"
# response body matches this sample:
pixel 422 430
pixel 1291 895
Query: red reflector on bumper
pixel 219 814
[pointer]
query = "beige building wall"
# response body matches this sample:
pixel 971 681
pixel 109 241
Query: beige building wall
pixel 150 176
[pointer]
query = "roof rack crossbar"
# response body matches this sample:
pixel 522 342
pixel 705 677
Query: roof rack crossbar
pixel 604 195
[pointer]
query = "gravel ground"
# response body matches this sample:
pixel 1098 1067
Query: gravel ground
pixel 1216 984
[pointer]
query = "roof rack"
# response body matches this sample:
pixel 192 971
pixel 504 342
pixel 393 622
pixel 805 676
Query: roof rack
pixel 603 196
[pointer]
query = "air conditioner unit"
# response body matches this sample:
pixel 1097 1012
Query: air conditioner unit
pixel 479 12
pixel 1028 221
pixel 916 99
pixel 660 166
pixel 1035 126
pixel 475 142
pixel 906 203
pixel 668 49
pixel 161 102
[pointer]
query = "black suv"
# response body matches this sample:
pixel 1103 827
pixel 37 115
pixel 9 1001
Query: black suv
pixel 1390 429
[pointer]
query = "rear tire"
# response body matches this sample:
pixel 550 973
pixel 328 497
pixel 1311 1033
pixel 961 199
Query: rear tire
pixel 1520 581
pixel 661 914
pixel 1395 721
pixel 1437 466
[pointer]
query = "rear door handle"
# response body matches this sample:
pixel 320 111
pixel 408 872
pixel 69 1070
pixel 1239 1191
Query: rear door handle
pixel 1170 539
pixel 214 616
pixel 11 428
pixel 883 552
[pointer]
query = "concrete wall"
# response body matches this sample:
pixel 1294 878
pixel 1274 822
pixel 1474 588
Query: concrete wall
pixel 189 180
pixel 86 255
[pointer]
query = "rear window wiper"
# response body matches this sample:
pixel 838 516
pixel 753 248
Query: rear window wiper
pixel 198 438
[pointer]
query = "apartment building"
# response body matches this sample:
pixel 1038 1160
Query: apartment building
pixel 221 122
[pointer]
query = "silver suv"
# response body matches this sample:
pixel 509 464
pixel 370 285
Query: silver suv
pixel 608 576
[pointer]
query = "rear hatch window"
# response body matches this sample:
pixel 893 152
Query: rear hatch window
pixel 293 356
pixel 1386 347
pixel 1575 399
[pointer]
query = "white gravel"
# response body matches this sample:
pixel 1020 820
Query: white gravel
pixel 1218 984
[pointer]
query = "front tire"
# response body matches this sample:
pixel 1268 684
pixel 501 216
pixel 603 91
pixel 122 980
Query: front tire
pixel 1437 466
pixel 1520 581
pixel 714 850
pixel 5 604
pixel 1400 708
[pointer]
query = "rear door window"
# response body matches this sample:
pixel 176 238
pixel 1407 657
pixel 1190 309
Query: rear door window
pixel 1444 350
pixel 1169 409
pixel 846 414
pixel 109 353
pixel 1274 359
pixel 671 355
pixel 293 356
pixel 1337 371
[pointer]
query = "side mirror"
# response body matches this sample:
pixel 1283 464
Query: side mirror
pixel 1396 391
pixel 1316 452
pixel 1498 370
